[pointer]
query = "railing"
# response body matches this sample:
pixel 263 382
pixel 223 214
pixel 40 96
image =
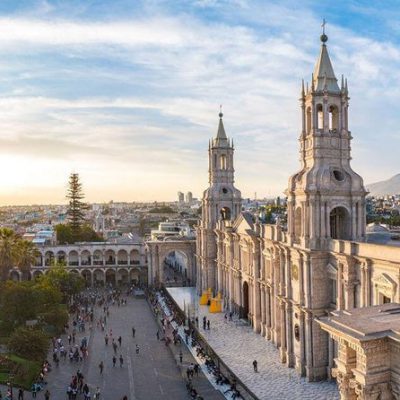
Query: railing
pixel 135 262
pixel 73 263
pixel 97 262
pixel 110 262
pixel 122 262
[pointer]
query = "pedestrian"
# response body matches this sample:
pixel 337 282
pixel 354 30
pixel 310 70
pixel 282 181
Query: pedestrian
pixel 20 394
pixel 158 335
pixel 133 332
pixel 97 394
pixel 121 361
pixel 204 322
pixel 106 339
pixel 137 349
pixel 180 356
pixel 125 398
pixel 255 365
pixel 114 359
pixel 208 324
pixel 47 395
pixel 120 341
pixel 101 367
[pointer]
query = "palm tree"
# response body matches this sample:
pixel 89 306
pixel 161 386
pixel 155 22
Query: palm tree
pixel 8 251
pixel 26 254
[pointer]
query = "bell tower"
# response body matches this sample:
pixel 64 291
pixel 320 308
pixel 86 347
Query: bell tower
pixel 220 201
pixel 326 198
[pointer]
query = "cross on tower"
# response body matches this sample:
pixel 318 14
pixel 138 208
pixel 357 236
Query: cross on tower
pixel 323 26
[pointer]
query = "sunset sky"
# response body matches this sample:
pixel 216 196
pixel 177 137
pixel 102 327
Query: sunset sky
pixel 127 93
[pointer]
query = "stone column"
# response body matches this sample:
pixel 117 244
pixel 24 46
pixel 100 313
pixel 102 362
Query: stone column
pixel 283 347
pixel 289 335
pixel 268 313
pixel 263 313
pixel 256 290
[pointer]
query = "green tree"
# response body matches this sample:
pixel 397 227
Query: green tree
pixel 8 251
pixel 76 206
pixel 64 234
pixel 68 283
pixel 29 343
pixel 26 254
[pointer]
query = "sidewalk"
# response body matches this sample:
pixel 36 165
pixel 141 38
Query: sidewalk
pixel 238 346
pixel 201 383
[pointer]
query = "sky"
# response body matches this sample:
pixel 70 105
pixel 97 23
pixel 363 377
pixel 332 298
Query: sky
pixel 127 93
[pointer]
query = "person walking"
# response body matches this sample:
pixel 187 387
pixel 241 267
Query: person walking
pixel 137 349
pixel 255 366
pixel 180 356
pixel 106 339
pixel 120 341
pixel 101 367
pixel 97 394
pixel 47 395
pixel 114 359
pixel 133 331
pixel 208 324
pixel 204 322
pixel 121 361
pixel 158 335
pixel 20 394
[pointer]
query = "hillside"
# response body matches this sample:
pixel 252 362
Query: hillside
pixel 390 186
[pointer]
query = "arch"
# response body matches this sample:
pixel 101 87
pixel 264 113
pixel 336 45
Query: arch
pixel 225 213
pixel 74 271
pixel 308 120
pixel 245 304
pixel 111 277
pixel 122 276
pixel 86 257
pixel 320 116
pixel 73 258
pixel 36 274
pixel 98 277
pixel 222 162
pixel 39 260
pixel 135 257
pixel 297 225
pixel 98 257
pixel 61 256
pixel 333 118
pixel 109 256
pixel 122 257
pixel 134 276
pixel 87 276
pixel 14 275
pixel 48 258
pixel 340 223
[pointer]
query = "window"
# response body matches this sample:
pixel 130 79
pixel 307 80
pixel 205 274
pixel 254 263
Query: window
pixel 320 117
pixel 333 119
pixel 386 299
pixel 333 290
pixel 308 120
pixel 222 161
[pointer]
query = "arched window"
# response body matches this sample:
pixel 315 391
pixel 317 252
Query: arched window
pixel 222 161
pixel 226 213
pixel 308 120
pixel 340 228
pixel 333 118
pixel 320 117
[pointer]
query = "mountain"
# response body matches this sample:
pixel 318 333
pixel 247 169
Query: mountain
pixel 390 186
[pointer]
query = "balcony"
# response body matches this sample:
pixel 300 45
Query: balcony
pixel 110 262
pixel 135 262
pixel 98 262
pixel 75 263
pixel 122 262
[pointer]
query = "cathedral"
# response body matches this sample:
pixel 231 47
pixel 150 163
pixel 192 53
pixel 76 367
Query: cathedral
pixel 286 280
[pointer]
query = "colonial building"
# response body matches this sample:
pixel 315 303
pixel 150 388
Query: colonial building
pixel 99 263
pixel 284 279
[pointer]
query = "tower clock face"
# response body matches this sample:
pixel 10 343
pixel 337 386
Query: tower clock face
pixel 224 190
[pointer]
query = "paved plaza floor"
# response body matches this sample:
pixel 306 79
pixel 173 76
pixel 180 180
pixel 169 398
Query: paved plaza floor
pixel 151 375
pixel 238 346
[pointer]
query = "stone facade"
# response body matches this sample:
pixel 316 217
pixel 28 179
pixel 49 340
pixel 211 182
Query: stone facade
pixel 284 280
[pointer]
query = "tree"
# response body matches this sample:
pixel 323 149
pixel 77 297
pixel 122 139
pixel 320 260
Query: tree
pixel 86 234
pixel 29 343
pixel 26 254
pixel 8 251
pixel 76 206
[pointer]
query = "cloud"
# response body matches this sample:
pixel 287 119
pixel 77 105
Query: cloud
pixel 144 91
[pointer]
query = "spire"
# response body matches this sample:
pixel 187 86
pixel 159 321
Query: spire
pixel 221 139
pixel 323 68
pixel 302 89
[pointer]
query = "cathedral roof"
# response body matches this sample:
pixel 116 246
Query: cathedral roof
pixel 323 71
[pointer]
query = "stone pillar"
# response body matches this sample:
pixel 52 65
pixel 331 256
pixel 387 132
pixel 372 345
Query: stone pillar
pixel 289 336
pixel 263 312
pixel 268 313
pixel 345 362
pixel 283 347
pixel 256 291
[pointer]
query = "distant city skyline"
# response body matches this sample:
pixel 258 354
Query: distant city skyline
pixel 127 94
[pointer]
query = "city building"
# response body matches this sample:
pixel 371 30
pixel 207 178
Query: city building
pixel 181 198
pixel 285 279
pixel 99 263
pixel 189 198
